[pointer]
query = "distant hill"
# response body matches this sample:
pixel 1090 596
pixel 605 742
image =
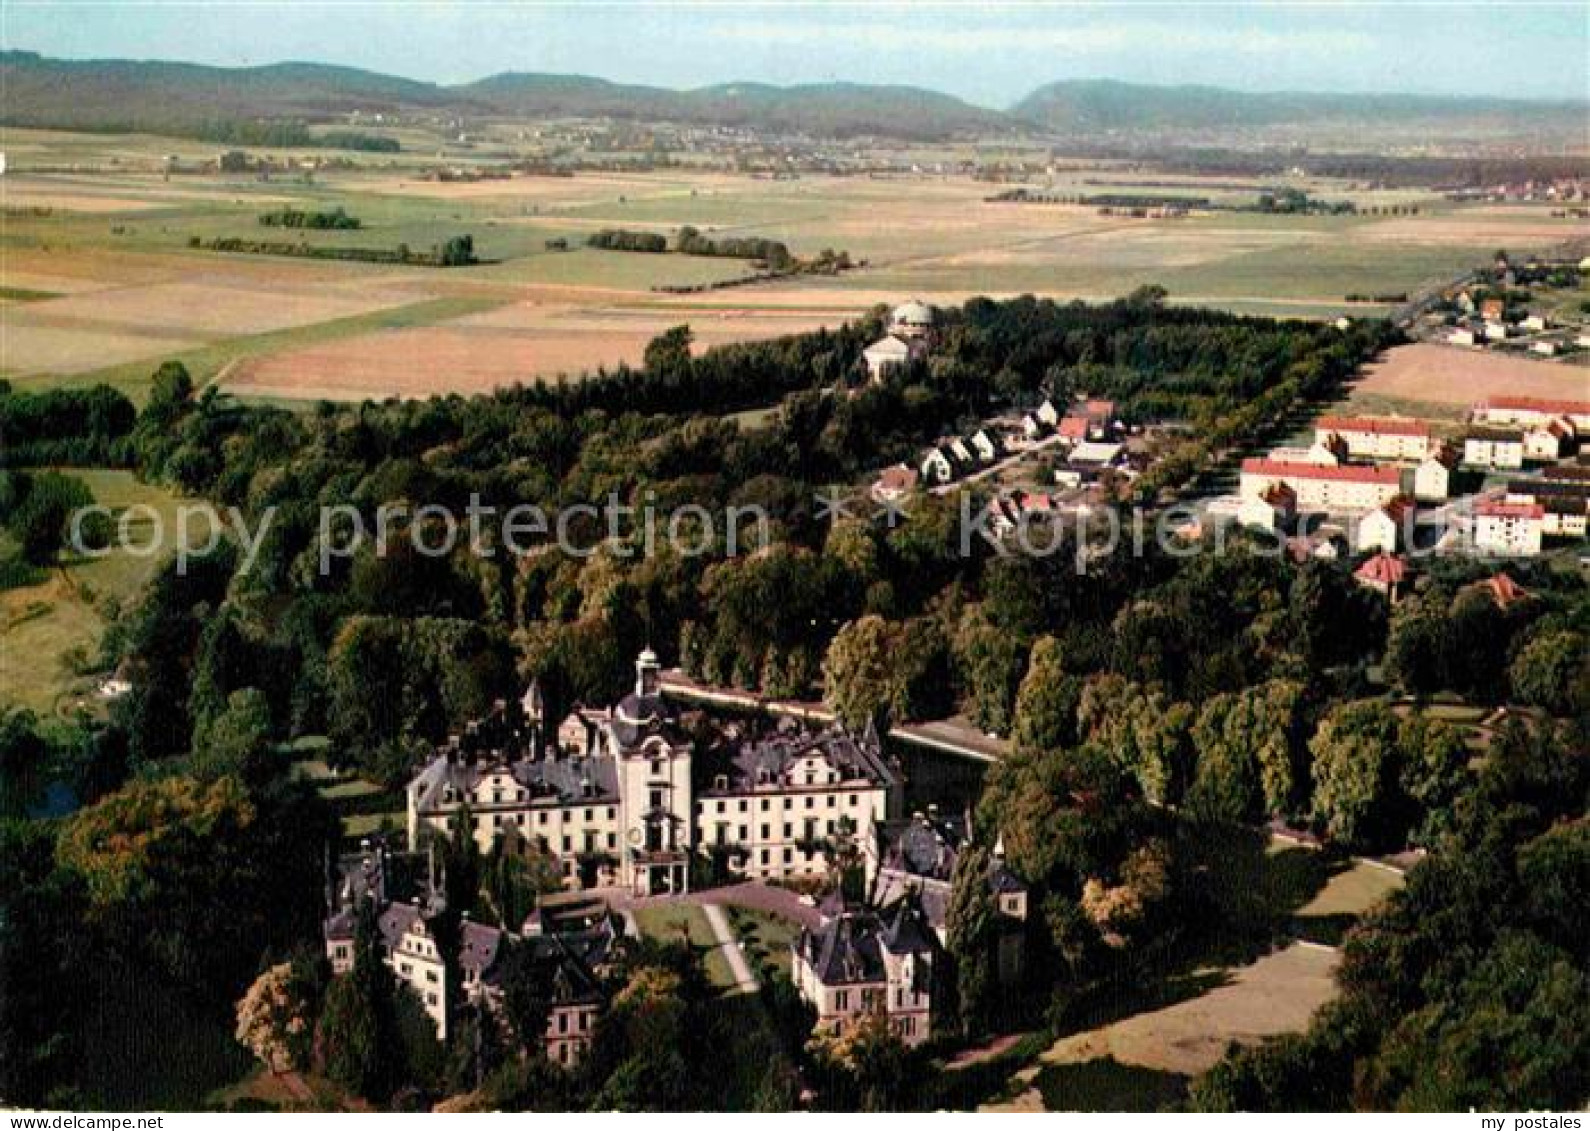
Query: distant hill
pixel 822 109
pixel 161 97
pixel 1093 105
pixel 183 97
pixel 115 94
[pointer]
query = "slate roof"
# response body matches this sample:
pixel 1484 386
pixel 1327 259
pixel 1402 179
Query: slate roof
pixel 768 762
pixel 849 949
pixel 550 781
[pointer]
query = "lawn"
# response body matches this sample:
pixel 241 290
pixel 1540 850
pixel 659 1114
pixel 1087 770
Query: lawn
pixel 766 938
pixel 670 921
pixel 47 629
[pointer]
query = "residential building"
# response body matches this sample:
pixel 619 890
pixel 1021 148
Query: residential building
pixel 1385 528
pixel 985 446
pixel 1493 447
pixel 1529 411
pixel 1550 441
pixel 1274 509
pixel 1513 529
pixel 894 484
pixel 1386 574
pixel 865 962
pixel 1323 487
pixel 939 466
pixel 621 796
pixel 891 352
pixel 1432 479
pixel 1086 461
pixel 912 319
pixel 1565 517
pixel 1048 414
pixel 1369 437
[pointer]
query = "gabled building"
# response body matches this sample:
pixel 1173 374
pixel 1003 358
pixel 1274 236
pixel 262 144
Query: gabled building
pixel 1530 411
pixel 917 857
pixel 867 962
pixel 1512 529
pixel 1494 447
pixel 1386 528
pixel 1371 437
pixel 621 796
pixel 408 909
pixel 1432 479
pixel 1323 487
pixel 892 352
pixel 894 484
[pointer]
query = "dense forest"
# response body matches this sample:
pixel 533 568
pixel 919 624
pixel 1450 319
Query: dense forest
pixel 1153 699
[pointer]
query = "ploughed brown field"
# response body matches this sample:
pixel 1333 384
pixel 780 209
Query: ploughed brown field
pixel 1447 378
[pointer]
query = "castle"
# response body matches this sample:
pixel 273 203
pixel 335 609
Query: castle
pixel 622 796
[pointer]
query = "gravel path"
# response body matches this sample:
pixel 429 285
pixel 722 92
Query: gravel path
pixel 719 922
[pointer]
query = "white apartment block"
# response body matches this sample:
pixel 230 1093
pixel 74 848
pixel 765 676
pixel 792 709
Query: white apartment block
pixel 1323 487
pixel 1493 447
pixel 1370 437
pixel 1512 529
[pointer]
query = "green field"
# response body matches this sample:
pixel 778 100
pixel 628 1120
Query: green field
pixel 98 281
pixel 674 921
pixel 43 627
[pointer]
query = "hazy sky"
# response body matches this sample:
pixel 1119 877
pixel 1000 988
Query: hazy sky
pixel 989 53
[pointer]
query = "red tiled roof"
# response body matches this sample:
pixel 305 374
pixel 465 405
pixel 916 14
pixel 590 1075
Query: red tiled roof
pixel 1074 427
pixel 1257 465
pixel 1511 510
pixel 1503 589
pixel 1383 569
pixel 897 478
pixel 1379 426
pixel 1537 404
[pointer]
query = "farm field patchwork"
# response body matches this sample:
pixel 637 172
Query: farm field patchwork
pixel 102 283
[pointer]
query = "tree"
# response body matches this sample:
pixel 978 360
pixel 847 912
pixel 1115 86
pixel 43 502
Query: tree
pixel 1357 795
pixel 236 742
pixel 1552 671
pixel 274 1020
pixel 357 1038
pixel 1247 757
pixel 861 673
pixel 970 920
pixel 1046 702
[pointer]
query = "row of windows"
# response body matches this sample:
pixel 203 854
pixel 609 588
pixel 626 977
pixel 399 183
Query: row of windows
pixel 830 801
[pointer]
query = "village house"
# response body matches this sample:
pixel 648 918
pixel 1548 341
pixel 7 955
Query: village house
pixel 1493 447
pixel 1512 529
pixel 1385 528
pixel 1085 462
pixel 1048 414
pixel 1322 487
pixel 1386 574
pixel 619 796
pixel 1274 509
pixel 865 961
pixel 1432 479
pixel 1565 517
pixel 1369 437
pixel 940 467
pixel 894 484
pixel 1550 441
